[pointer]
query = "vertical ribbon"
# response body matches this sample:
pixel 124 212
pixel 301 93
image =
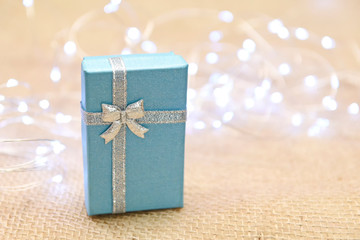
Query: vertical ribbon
pixel 119 142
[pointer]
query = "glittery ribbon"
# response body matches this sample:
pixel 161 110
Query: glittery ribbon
pixel 118 116
pixel 112 113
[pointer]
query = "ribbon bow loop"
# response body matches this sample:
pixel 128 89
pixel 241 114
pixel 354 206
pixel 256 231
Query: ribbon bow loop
pixel 118 117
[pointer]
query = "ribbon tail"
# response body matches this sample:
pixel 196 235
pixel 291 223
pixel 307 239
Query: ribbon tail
pixel 136 128
pixel 111 132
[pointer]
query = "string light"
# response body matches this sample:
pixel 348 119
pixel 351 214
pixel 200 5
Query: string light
pixel 249 45
pixel 215 36
pixel 297 119
pixel 126 51
pixel 191 93
pixel 62 118
pixel 275 25
pixel 284 69
pixel 214 77
pixel 58 147
pixel 329 103
pixel 199 125
pixel 259 93
pixel 216 124
pixel 322 122
pixel 57 178
pixel 227 116
pixel 111 7
pixel 23 107
pixel 310 81
pixel 224 79
pixel 243 55
pixel 334 81
pixel 12 83
pixel 327 42
pixel 221 95
pixel 266 84
pixel 353 109
pixel 301 34
pixel 55 74
pixel 320 125
pixel 70 48
pixel 27 120
pixel 193 68
pixel 40 161
pixel 44 104
pixel 190 108
pixel 276 97
pixel 283 33
pixel 249 103
pixel 42 150
pixel 226 16
pixel 28 3
pixel 314 131
pixel 212 58
pixel 222 89
pixel 133 34
pixel 149 46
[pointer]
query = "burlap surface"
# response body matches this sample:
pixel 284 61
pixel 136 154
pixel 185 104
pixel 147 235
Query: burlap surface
pixel 235 188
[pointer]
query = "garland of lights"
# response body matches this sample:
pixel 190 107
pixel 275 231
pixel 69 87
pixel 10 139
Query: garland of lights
pixel 256 75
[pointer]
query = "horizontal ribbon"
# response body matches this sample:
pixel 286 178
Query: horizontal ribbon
pixel 118 116
pixel 153 117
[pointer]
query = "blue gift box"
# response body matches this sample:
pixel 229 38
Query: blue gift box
pixel 133 132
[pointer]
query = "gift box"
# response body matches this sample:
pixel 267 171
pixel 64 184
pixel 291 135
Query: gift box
pixel 133 132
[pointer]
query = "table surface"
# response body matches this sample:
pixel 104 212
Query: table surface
pixel 236 187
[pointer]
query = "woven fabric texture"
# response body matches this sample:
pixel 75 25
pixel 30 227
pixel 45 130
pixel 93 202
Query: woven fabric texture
pixel 235 188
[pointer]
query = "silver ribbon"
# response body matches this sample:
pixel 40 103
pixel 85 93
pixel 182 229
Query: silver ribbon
pixel 118 116
pixel 112 113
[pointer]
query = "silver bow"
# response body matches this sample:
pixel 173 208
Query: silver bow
pixel 118 117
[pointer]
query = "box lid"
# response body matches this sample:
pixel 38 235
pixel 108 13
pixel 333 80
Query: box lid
pixel 159 79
